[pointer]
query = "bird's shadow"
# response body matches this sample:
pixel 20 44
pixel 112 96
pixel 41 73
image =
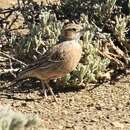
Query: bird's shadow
pixel 29 86
pixel 10 91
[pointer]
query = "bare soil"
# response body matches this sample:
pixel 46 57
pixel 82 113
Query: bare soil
pixel 103 107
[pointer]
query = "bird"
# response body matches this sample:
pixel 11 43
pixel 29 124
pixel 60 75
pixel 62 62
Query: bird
pixel 57 61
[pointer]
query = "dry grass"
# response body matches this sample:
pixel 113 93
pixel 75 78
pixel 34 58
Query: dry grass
pixel 7 3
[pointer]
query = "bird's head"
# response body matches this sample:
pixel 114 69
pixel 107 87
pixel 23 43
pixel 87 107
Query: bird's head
pixel 72 31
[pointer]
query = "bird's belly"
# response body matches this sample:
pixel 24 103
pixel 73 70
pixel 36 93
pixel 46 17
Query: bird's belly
pixel 70 66
pixel 51 75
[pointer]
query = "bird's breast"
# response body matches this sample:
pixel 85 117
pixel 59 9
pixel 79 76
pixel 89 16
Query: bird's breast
pixel 72 57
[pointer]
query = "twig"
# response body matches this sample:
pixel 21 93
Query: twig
pixel 18 28
pixel 10 57
pixel 13 21
pixel 3 71
pixel 8 10
pixel 11 67
pixel 111 58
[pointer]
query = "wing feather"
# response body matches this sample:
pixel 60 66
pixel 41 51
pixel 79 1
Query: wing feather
pixel 50 60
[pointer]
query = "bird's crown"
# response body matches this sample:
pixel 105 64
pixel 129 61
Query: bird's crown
pixel 73 27
pixel 71 30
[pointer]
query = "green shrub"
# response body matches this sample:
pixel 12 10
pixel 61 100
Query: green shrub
pixel 105 45
pixel 10 120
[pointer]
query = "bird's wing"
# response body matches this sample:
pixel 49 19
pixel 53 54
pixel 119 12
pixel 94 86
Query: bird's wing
pixel 51 59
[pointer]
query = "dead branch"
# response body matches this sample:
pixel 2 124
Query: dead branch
pixel 3 71
pixel 107 55
pixel 10 57
pixel 11 67
pixel 9 10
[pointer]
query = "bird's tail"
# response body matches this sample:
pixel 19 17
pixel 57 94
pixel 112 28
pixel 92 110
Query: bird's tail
pixel 25 73
pixel 20 76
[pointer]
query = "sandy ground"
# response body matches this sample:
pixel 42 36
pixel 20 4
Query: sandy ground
pixel 104 107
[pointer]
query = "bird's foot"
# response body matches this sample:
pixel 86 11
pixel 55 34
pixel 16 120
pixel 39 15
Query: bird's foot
pixel 44 90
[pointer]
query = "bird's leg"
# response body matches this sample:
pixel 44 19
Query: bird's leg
pixel 44 91
pixel 50 89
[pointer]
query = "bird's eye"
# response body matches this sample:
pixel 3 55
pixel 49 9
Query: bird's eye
pixel 74 29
